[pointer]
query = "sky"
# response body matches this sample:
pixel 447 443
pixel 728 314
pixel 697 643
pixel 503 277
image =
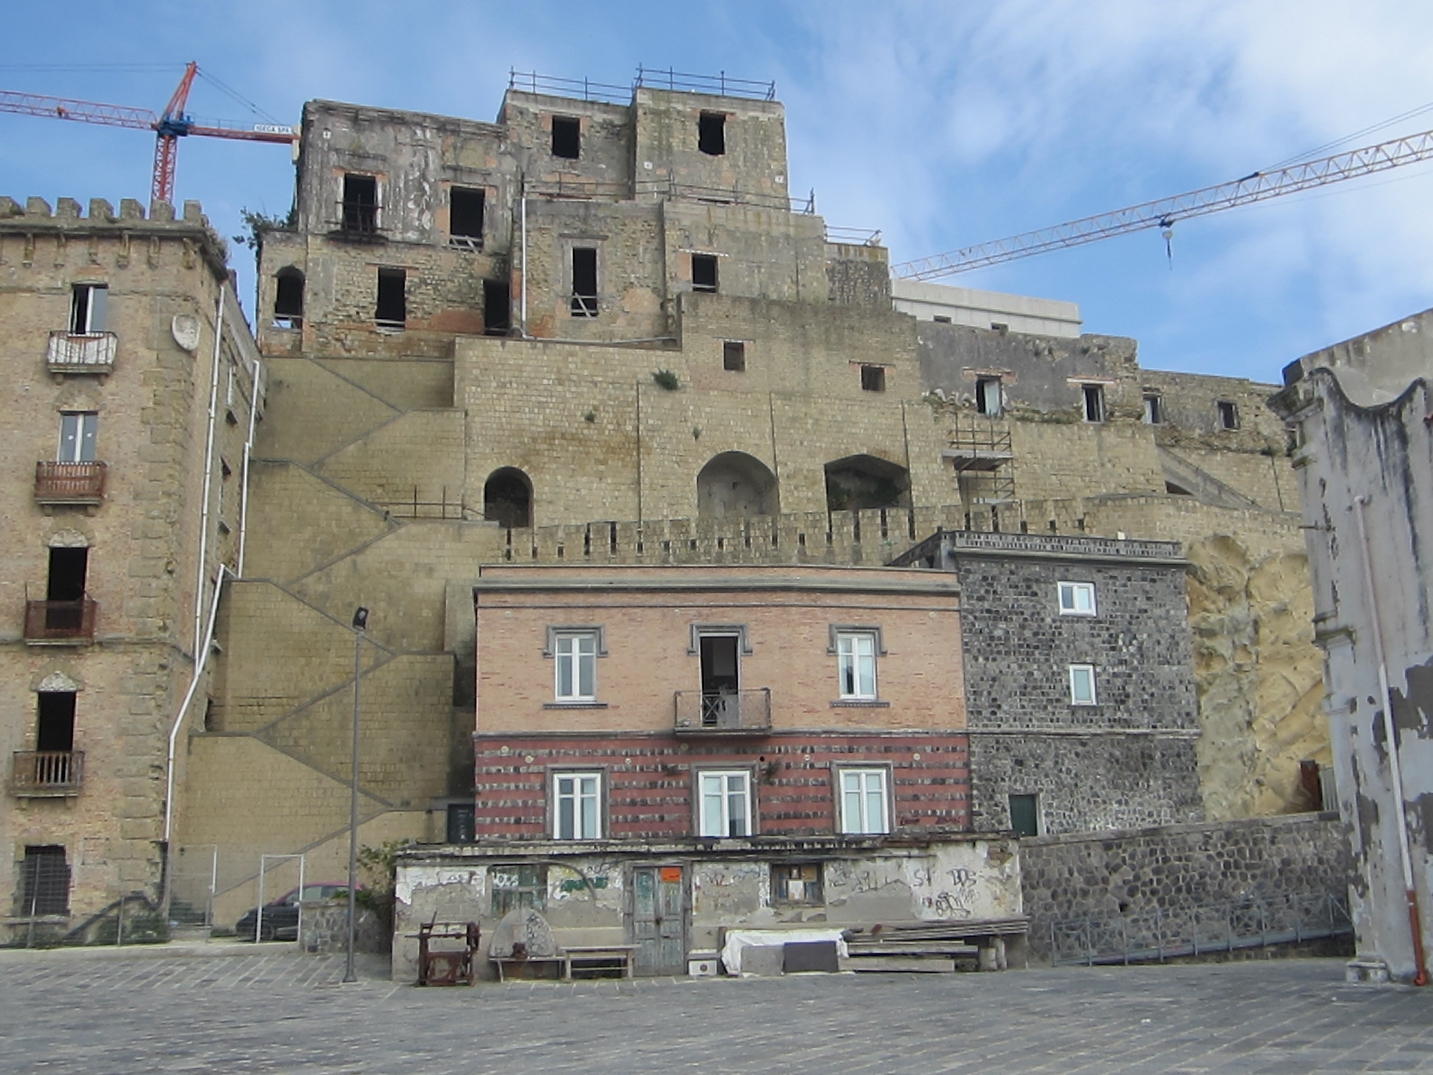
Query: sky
pixel 943 124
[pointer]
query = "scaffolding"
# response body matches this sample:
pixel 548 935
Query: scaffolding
pixel 979 448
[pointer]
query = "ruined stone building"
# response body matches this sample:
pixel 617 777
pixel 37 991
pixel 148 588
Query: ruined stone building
pixel 130 384
pixel 599 333
pixel 1363 414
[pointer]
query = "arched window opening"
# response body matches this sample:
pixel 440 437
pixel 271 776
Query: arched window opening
pixel 289 297
pixel 734 485
pixel 863 481
pixel 507 498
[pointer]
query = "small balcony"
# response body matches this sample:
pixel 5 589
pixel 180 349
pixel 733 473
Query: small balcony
pixel 40 773
pixel 60 622
pixel 70 483
pixel 91 352
pixel 724 712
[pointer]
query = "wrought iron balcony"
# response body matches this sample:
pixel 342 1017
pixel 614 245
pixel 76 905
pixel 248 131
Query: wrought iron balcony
pixel 92 352
pixel 60 621
pixel 70 483
pixel 47 772
pixel 724 712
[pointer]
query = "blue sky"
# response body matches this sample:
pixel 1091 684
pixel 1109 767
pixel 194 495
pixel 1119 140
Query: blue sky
pixel 942 124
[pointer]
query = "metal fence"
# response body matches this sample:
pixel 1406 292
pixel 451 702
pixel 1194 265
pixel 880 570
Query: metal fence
pixel 1158 934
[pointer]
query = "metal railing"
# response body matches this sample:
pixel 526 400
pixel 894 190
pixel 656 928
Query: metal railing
pixel 578 188
pixel 47 772
pixel 357 219
pixel 584 89
pixel 91 352
pixel 852 236
pixel 442 508
pixel 70 483
pixel 1159 934
pixel 60 621
pixel 723 711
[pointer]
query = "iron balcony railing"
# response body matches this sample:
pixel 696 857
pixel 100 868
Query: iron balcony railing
pixel 723 711
pixel 47 772
pixel 60 621
pixel 91 352
pixel 70 483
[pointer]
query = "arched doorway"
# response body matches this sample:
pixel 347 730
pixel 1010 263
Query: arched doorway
pixel 733 485
pixel 507 498
pixel 863 481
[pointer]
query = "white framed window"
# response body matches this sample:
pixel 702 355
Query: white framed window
pixel 856 664
pixel 865 807
pixel 577 806
pixel 77 436
pixel 724 803
pixel 89 309
pixel 574 654
pixel 1082 684
pixel 1077 598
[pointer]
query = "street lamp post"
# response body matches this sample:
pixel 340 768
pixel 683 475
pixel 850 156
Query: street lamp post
pixel 360 622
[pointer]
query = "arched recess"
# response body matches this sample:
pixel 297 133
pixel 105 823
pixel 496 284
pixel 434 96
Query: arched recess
pixel 863 481
pixel 507 498
pixel 733 485
pixel 289 295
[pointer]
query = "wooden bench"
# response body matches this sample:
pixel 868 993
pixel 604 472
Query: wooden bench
pixel 506 964
pixel 600 957
pixel 988 939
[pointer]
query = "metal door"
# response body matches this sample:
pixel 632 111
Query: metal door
pixel 659 919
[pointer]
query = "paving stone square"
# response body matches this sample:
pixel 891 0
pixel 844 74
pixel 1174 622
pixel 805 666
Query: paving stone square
pixel 272 1010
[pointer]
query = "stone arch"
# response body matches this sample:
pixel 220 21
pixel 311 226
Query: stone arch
pixel 289 294
pixel 68 538
pixel 58 683
pixel 864 481
pixel 507 498
pixel 733 485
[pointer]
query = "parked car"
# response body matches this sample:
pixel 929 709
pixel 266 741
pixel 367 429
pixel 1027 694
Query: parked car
pixel 281 916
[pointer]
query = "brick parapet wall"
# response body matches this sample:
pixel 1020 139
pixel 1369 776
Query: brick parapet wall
pixel 650 779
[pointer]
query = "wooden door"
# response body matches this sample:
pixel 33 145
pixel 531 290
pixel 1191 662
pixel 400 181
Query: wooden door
pixel 659 919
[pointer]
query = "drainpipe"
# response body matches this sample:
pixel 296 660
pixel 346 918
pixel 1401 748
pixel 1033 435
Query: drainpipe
pixel 522 293
pixel 1395 767
pixel 208 477
pixel 248 453
pixel 201 661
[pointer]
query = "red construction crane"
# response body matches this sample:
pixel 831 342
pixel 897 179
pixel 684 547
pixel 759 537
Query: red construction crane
pixel 1164 213
pixel 173 125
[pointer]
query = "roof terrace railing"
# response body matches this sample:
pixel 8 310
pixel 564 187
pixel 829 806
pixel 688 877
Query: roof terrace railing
pixel 584 89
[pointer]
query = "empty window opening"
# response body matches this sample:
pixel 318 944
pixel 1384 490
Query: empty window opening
pixel 1025 815
pixel 1153 409
pixel 733 356
pixel 711 133
pixel 77 436
pixel 721 680
pixel 89 309
pixel 462 823
pixel 1094 400
pixel 861 482
pixel 45 881
pixel 987 396
pixel 584 281
pixel 360 204
pixel 941 319
pixel 507 498
pixel 1228 415
pixel 68 568
pixel 465 217
pixel 391 309
pixel 497 307
pixel 734 485
pixel 289 296
pixel 1000 326
pixel 873 378
pixel 55 727
pixel 566 137
pixel 704 272
pixel 796 882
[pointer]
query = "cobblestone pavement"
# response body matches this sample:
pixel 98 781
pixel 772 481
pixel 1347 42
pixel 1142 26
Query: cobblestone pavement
pixel 239 1010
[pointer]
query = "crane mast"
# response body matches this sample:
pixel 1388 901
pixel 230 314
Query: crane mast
pixel 1163 213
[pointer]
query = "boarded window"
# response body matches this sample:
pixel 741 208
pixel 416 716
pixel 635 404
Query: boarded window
pixel 566 137
pixel 45 881
pixel 704 272
pixel 796 882
pixel 584 281
pixel 873 378
pixel 711 133
pixel 733 355
pixel 462 823
pixel 391 309
pixel 497 307
pixel 519 885
pixel 465 217
pixel 360 204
